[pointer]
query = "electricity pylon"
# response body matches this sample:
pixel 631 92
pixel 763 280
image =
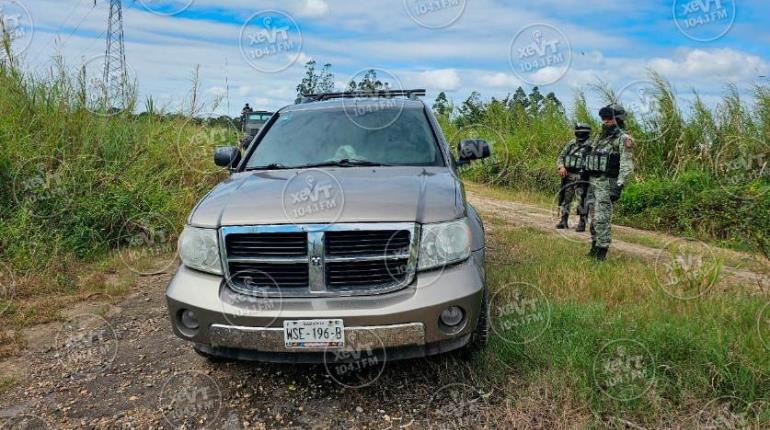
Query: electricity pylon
pixel 115 73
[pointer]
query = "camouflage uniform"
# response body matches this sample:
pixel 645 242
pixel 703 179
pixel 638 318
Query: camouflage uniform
pixel 571 157
pixel 610 164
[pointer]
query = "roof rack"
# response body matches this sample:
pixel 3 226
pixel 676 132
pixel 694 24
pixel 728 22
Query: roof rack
pixel 411 94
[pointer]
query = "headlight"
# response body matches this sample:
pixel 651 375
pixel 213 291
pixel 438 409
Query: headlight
pixel 199 249
pixel 444 243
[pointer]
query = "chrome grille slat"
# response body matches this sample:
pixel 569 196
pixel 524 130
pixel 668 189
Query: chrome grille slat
pixel 321 260
pixel 266 245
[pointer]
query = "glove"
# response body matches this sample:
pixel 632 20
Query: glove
pixel 615 192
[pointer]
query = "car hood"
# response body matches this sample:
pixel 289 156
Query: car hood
pixel 333 195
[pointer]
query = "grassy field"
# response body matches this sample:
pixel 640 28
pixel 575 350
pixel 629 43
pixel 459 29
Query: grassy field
pixel 91 201
pixel 607 344
pixel 701 171
pixel 91 198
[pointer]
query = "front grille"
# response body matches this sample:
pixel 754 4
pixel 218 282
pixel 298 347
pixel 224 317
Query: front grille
pixel 341 275
pixel 267 245
pixel 269 275
pixel 312 260
pixel 367 242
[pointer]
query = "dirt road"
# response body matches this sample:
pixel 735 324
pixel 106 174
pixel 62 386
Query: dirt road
pixel 115 364
pixel 130 372
pixel 739 267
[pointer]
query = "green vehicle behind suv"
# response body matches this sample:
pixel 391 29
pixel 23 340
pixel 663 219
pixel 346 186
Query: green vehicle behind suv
pixel 252 124
pixel 344 226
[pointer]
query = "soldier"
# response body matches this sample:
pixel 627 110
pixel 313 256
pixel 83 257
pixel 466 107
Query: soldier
pixel 570 164
pixel 609 166
pixel 245 113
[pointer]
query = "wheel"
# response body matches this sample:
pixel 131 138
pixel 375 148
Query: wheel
pixel 480 337
pixel 211 358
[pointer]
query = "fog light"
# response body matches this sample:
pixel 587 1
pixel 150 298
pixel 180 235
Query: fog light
pixel 452 316
pixel 189 320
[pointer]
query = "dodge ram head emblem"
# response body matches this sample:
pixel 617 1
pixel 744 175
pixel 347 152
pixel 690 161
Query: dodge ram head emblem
pixel 315 261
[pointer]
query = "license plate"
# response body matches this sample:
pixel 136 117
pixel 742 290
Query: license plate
pixel 313 334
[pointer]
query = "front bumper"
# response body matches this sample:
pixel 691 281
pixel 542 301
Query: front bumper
pixel 407 320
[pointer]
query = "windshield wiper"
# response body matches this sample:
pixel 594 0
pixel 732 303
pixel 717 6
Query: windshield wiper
pixel 271 166
pixel 345 162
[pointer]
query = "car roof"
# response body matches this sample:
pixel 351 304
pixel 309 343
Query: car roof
pixel 337 104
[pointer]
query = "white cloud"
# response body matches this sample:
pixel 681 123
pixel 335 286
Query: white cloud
pixel 470 55
pixel 217 91
pixel 499 80
pixel 723 64
pixel 313 8
pixel 441 79
pixel 302 58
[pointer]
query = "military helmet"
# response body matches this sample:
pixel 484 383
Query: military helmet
pixel 581 126
pixel 613 111
pixel 582 130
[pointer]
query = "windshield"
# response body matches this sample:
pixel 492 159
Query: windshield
pixel 259 116
pixel 304 138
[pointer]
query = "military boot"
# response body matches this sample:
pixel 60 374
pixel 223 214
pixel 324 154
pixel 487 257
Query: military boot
pixel 601 254
pixel 592 252
pixel 581 227
pixel 564 222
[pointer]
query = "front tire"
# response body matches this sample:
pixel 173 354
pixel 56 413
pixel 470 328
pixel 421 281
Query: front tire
pixel 211 358
pixel 480 337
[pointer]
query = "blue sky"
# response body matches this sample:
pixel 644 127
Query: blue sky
pixel 456 46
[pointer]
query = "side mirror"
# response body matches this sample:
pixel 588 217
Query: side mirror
pixel 227 156
pixel 470 150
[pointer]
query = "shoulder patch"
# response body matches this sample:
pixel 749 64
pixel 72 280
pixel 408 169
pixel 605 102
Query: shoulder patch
pixel 628 142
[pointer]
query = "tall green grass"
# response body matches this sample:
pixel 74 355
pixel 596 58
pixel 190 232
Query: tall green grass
pixel 77 177
pixel 700 171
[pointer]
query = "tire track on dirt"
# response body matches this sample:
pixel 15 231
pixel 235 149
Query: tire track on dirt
pixel 528 215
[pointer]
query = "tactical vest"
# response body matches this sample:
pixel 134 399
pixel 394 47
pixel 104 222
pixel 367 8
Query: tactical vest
pixel 573 160
pixel 604 158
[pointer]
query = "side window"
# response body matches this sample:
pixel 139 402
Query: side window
pixel 443 143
